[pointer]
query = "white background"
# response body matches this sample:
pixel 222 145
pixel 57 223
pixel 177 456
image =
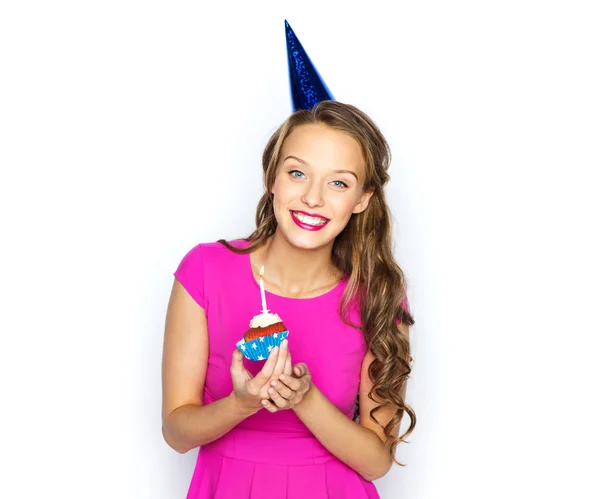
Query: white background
pixel 131 131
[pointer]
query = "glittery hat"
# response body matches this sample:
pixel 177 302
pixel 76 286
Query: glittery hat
pixel 306 86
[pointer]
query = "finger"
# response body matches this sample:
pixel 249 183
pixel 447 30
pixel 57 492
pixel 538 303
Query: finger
pixel 267 370
pixel 285 391
pixel 287 369
pixel 278 399
pixel 269 406
pixel 291 382
pixel 283 353
pixel 300 369
pixel 264 390
pixel 237 361
pixel 282 358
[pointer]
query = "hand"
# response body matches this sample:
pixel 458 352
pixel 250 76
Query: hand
pixel 289 390
pixel 248 390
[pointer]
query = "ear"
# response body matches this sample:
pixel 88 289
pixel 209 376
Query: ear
pixel 363 201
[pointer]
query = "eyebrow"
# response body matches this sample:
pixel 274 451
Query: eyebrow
pixel 335 171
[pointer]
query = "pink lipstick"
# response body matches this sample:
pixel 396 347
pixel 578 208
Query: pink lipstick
pixel 306 224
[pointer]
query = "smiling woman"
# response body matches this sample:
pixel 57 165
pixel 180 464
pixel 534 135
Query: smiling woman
pixel 311 190
pixel 326 424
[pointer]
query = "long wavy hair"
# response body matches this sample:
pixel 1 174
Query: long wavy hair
pixel 363 252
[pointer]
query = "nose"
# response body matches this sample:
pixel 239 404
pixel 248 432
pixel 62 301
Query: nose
pixel 313 197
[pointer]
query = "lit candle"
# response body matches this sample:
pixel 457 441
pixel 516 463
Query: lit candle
pixel 262 291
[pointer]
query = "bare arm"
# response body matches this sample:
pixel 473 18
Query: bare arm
pixel 190 426
pixel 362 446
pixel 186 422
pixel 356 445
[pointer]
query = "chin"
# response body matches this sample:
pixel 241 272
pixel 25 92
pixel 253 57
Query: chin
pixel 307 240
pixel 307 245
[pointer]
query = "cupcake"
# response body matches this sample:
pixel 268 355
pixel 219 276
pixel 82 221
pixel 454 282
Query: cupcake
pixel 266 332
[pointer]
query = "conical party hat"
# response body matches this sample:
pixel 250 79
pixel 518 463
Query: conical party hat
pixel 306 86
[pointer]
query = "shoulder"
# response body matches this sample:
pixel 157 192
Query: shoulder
pixel 205 268
pixel 209 260
pixel 214 252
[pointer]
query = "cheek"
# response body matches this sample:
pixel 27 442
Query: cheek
pixel 281 198
pixel 343 205
pixel 284 191
pixel 278 193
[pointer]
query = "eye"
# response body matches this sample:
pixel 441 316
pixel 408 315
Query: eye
pixel 339 183
pixel 294 172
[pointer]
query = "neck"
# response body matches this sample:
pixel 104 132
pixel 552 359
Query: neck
pixel 293 271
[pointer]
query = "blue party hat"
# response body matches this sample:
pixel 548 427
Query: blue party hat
pixel 306 86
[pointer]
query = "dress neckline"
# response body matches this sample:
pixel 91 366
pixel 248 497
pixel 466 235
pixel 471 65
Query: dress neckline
pixel 250 274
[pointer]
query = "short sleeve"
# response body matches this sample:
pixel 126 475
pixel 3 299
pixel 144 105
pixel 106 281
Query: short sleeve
pixel 190 273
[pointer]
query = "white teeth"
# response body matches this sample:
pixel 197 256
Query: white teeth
pixel 309 220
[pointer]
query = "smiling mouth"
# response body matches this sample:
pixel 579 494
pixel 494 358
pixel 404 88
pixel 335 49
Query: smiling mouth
pixel 309 222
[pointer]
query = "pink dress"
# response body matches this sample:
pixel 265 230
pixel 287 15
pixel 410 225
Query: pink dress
pixel 272 456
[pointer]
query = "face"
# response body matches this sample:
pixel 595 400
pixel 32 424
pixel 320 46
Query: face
pixel 318 185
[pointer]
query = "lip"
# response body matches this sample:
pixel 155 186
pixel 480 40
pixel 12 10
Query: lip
pixel 314 215
pixel 306 226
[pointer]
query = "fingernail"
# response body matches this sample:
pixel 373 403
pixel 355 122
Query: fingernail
pixel 276 349
pixel 283 377
pixel 273 383
pixel 271 391
pixel 264 402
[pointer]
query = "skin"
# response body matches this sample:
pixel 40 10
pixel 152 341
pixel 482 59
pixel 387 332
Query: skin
pixel 299 265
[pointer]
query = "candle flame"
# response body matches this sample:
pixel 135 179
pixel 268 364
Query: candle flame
pixel 262 269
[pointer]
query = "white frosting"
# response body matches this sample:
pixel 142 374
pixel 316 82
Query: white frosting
pixel 264 320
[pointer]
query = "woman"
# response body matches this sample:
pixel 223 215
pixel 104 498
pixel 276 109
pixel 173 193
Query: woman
pixel 282 428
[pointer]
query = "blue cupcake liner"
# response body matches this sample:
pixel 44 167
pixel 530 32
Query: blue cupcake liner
pixel 260 348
